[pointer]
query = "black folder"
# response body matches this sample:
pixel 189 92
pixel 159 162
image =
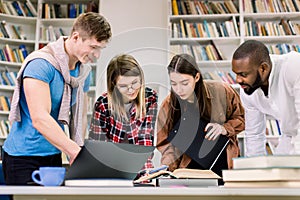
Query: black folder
pixel 188 136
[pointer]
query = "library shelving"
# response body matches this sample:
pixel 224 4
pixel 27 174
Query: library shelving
pixel 26 26
pixel 212 30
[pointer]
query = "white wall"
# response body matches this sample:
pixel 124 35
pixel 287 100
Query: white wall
pixel 139 28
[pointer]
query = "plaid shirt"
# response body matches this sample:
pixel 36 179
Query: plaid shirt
pixel 106 127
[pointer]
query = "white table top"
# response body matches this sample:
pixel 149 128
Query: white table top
pixel 214 191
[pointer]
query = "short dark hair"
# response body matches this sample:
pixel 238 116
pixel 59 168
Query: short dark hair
pixel 92 24
pixel 256 51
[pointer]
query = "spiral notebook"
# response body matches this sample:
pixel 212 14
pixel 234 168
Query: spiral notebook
pixel 101 162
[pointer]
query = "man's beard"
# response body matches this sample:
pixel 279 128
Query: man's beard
pixel 251 88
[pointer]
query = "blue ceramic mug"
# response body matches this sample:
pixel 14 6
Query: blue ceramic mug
pixel 49 176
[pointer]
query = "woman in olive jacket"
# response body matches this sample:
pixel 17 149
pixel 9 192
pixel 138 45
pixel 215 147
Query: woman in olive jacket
pixel 215 102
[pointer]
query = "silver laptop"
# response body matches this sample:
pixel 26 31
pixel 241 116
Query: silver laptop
pixel 107 160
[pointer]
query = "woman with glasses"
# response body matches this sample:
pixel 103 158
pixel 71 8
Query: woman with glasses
pixel 126 113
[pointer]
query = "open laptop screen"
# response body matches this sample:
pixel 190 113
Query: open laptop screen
pixel 99 159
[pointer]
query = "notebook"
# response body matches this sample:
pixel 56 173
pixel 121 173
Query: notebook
pixel 101 160
pixel 190 139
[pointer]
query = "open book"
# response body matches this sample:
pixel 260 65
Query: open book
pixel 182 173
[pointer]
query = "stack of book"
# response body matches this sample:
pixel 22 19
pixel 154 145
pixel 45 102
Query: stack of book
pixel 264 171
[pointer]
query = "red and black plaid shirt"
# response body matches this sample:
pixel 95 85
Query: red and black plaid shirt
pixel 106 127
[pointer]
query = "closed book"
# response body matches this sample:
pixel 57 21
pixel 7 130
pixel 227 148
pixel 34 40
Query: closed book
pixel 13 76
pixel 92 6
pixel 18 8
pixel 262 174
pixel 4 128
pixel 266 161
pixel 5 78
pixel 99 183
pixel 16 30
pixel 72 10
pixel 11 81
pixel 31 8
pixel 4 104
pixel 23 49
pixel 286 27
pixel 262 184
pixel 187 182
pixel 3 29
pixel 2 81
pixel 27 10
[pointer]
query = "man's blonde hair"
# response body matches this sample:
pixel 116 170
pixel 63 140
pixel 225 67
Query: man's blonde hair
pixel 92 24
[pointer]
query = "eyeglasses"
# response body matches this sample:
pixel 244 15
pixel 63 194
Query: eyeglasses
pixel 134 85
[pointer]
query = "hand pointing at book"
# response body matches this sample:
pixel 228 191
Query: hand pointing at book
pixel 214 130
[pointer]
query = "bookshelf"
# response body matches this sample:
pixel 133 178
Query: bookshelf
pixel 194 25
pixel 225 24
pixel 30 26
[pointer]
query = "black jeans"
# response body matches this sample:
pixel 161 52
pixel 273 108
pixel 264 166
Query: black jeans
pixel 18 169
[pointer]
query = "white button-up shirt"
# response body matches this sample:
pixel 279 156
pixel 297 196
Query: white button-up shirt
pixel 282 103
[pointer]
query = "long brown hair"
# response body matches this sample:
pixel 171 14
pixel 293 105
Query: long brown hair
pixel 124 65
pixel 186 64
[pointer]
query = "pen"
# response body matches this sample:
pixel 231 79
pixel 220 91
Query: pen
pixel 163 167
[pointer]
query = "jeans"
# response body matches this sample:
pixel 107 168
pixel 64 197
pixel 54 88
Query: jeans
pixel 18 169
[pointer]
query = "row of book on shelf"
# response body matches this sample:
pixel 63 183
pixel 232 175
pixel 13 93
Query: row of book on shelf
pixel 12 31
pixel 5 102
pixel 13 54
pixel 4 128
pixel 264 171
pixel 50 33
pixel 271 6
pixel 283 48
pixel 200 7
pixel 27 9
pixel 210 52
pixel 200 52
pixel 8 78
pixel 205 29
pixel 219 75
pixel 18 8
pixel 282 28
pixel 70 10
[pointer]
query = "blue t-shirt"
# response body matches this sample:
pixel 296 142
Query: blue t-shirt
pixel 24 139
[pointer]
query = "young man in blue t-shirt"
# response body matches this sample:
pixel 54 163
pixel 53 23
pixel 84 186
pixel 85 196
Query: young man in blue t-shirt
pixel 52 83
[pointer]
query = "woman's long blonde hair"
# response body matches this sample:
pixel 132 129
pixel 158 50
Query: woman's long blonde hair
pixel 124 65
